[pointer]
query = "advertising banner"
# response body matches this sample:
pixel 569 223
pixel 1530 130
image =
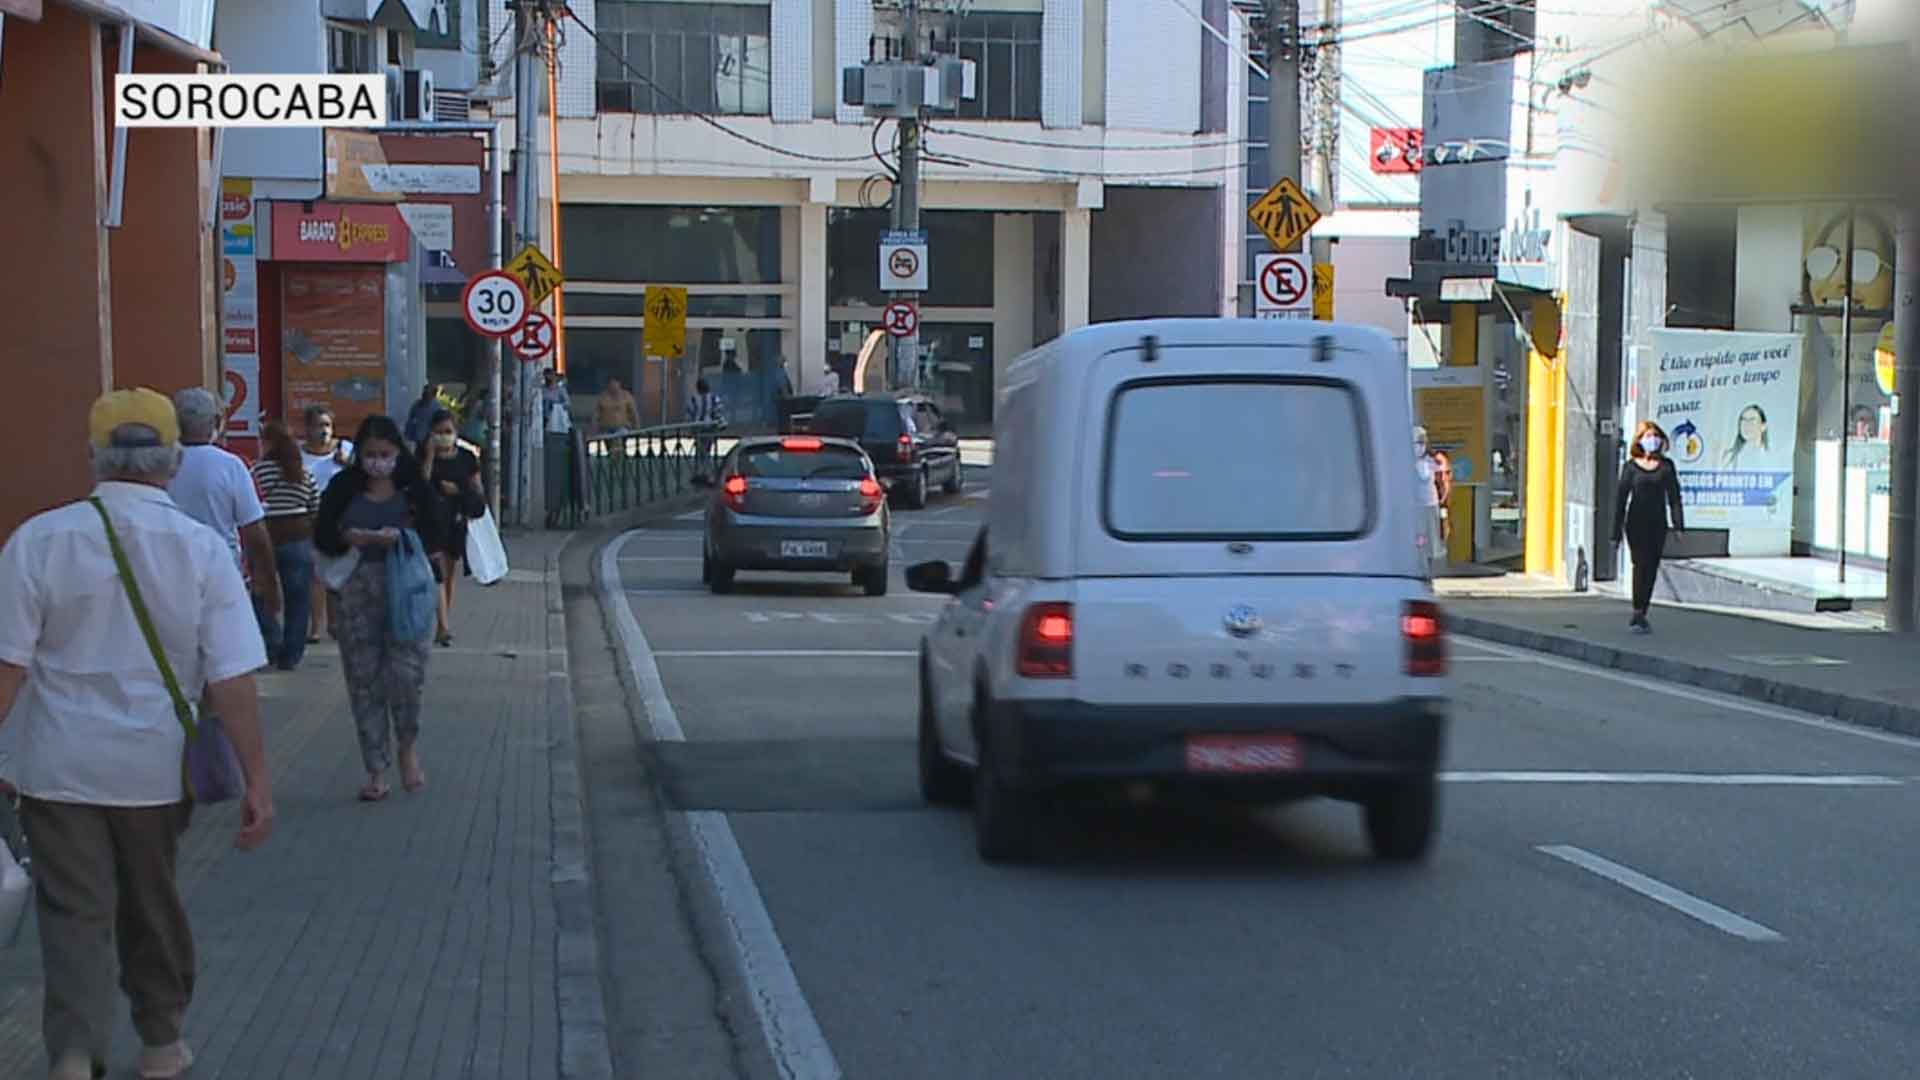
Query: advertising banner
pixel 333 232
pixel 1730 401
pixel 1456 421
pixel 239 308
pixel 333 337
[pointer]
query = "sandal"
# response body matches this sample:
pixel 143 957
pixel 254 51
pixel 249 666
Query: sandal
pixel 374 791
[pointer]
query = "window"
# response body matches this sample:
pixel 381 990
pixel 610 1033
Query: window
pixel 879 421
pixel 1005 47
pixel 826 463
pixel 961 274
pixel 1215 459
pixel 349 51
pixel 683 245
pixel 397 49
pixel 684 58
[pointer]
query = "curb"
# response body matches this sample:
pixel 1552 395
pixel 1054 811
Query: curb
pixel 586 1051
pixel 1864 712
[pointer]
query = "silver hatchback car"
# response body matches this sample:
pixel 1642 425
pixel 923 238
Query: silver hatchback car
pixel 797 503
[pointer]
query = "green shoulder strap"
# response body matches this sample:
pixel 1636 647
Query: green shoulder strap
pixel 181 708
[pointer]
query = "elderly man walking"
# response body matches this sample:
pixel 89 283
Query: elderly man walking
pixel 216 489
pixel 97 745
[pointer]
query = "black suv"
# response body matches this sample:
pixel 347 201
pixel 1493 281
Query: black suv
pixel 912 447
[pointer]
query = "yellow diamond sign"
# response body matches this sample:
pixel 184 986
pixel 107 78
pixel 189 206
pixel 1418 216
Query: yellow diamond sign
pixel 537 273
pixel 1284 214
pixel 666 329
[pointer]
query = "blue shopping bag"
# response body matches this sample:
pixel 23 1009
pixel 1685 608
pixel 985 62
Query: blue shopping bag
pixel 413 603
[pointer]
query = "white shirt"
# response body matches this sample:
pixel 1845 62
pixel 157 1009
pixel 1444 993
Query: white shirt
pixel 214 487
pixel 94 723
pixel 322 467
pixel 1425 467
pixel 559 408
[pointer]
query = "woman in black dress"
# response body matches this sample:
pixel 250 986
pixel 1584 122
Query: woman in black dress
pixel 454 473
pixel 1649 489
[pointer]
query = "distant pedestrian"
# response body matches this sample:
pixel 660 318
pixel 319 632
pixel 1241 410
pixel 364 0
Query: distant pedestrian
pixel 1436 491
pixel 709 410
pixel 454 473
pixel 1649 490
pixel 420 417
pixel 324 456
pixel 291 502
pixel 364 510
pixel 98 743
pixel 616 411
pixel 556 403
pixel 214 487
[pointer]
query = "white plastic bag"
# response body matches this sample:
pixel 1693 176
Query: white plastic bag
pixel 15 890
pixel 334 570
pixel 486 555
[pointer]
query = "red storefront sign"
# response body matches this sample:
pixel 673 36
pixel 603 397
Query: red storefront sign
pixel 337 232
pixel 1395 150
pixel 242 340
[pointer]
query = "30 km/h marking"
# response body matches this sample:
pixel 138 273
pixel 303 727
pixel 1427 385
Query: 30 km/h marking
pixel 1686 903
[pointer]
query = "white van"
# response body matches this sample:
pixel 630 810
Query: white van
pixel 1201 570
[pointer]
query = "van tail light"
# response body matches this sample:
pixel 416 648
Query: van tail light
pixel 735 490
pixel 903 450
pixel 871 495
pixel 1046 642
pixel 1426 638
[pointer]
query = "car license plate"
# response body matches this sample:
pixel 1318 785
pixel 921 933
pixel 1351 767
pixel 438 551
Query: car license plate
pixel 803 549
pixel 1244 754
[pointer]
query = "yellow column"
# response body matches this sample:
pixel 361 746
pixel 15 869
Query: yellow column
pixel 1463 348
pixel 1546 506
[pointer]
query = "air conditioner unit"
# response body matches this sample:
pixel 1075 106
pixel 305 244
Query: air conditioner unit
pixel 410 94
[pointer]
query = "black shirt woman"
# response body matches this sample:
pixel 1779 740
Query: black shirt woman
pixel 364 509
pixel 1648 493
pixel 454 473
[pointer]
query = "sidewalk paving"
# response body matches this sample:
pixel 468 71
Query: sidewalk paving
pixel 1841 667
pixel 447 933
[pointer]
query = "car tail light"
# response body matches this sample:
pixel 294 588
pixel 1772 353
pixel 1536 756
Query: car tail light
pixel 1046 642
pixel 736 491
pixel 800 445
pixel 904 449
pixel 1426 638
pixel 871 494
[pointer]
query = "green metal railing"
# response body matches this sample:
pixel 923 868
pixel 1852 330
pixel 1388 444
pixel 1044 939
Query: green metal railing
pixel 639 468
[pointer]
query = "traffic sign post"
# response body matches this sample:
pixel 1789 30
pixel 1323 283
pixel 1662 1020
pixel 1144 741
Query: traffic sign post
pixel 1283 287
pixel 665 332
pixel 535 271
pixel 901 319
pixel 903 262
pixel 494 303
pixel 534 339
pixel 1284 215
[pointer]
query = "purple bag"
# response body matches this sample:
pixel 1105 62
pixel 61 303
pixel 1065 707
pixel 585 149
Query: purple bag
pixel 211 768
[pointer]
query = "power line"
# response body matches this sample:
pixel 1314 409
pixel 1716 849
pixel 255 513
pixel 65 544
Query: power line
pixel 1009 140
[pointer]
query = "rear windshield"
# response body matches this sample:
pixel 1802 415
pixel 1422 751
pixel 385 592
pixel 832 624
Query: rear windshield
pixel 1223 459
pixel 826 463
pixel 872 421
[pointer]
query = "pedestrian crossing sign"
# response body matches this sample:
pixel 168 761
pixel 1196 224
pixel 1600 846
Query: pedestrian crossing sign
pixel 537 273
pixel 665 330
pixel 1284 215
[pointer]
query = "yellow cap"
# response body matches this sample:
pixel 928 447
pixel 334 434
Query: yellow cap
pixel 140 406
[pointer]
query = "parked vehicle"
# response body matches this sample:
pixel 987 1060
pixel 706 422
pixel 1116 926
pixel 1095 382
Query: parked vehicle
pixel 1199 574
pixel 797 503
pixel 912 446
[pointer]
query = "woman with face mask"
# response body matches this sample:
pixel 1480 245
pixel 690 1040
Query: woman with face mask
pixel 364 509
pixel 1649 489
pixel 454 473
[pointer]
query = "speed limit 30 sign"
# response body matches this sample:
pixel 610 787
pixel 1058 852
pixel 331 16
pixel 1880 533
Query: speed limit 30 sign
pixel 495 303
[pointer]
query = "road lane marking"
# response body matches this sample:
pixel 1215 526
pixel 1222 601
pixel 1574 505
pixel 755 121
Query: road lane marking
pixel 1704 697
pixel 793 1035
pixel 1684 902
pixel 1671 778
pixel 659 558
pixel 1491 660
pixel 843 618
pixel 778 654
pixel 646 674
pixel 798 1045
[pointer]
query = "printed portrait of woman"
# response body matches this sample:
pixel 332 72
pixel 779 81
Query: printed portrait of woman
pixel 1749 448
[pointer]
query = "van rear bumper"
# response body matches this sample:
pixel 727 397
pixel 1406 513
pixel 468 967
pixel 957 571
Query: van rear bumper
pixel 1055 743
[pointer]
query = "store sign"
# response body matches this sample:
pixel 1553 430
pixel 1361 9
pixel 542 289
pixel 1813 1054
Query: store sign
pixel 1482 213
pixel 1730 403
pixel 239 308
pixel 331 232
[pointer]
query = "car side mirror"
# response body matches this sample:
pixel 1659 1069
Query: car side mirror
pixel 931 577
pixel 701 480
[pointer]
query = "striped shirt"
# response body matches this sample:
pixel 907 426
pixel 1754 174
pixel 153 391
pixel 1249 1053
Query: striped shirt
pixel 708 408
pixel 284 497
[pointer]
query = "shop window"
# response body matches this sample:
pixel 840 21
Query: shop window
pixel 678 245
pixel 1005 46
pixel 684 58
pixel 349 50
pixel 960 274
pixel 633 305
pixel 1702 255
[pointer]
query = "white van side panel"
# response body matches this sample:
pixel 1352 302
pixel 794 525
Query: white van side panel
pixel 1029 514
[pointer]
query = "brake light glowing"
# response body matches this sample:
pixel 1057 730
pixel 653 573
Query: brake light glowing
pixel 870 488
pixel 904 451
pixel 1426 639
pixel 800 445
pixel 1046 642
pixel 736 491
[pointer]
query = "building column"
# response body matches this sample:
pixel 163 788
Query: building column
pixel 810 320
pixel 1014 291
pixel 1076 249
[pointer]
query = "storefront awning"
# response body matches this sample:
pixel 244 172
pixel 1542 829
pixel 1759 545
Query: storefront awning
pixel 111 14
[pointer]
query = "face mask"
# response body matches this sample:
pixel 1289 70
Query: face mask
pixel 1419 449
pixel 444 442
pixel 1651 444
pixel 379 466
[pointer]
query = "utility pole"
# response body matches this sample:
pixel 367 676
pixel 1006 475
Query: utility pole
pixel 906 202
pixel 528 426
pixel 1903 542
pixel 1286 120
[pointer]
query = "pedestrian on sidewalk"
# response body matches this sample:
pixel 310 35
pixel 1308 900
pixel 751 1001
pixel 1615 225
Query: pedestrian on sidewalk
pixel 1649 489
pixel 616 413
pixel 1436 489
pixel 291 502
pixel 214 487
pixel 454 473
pixel 709 410
pixel 363 511
pixel 420 416
pixel 556 403
pixel 97 744
pixel 324 457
